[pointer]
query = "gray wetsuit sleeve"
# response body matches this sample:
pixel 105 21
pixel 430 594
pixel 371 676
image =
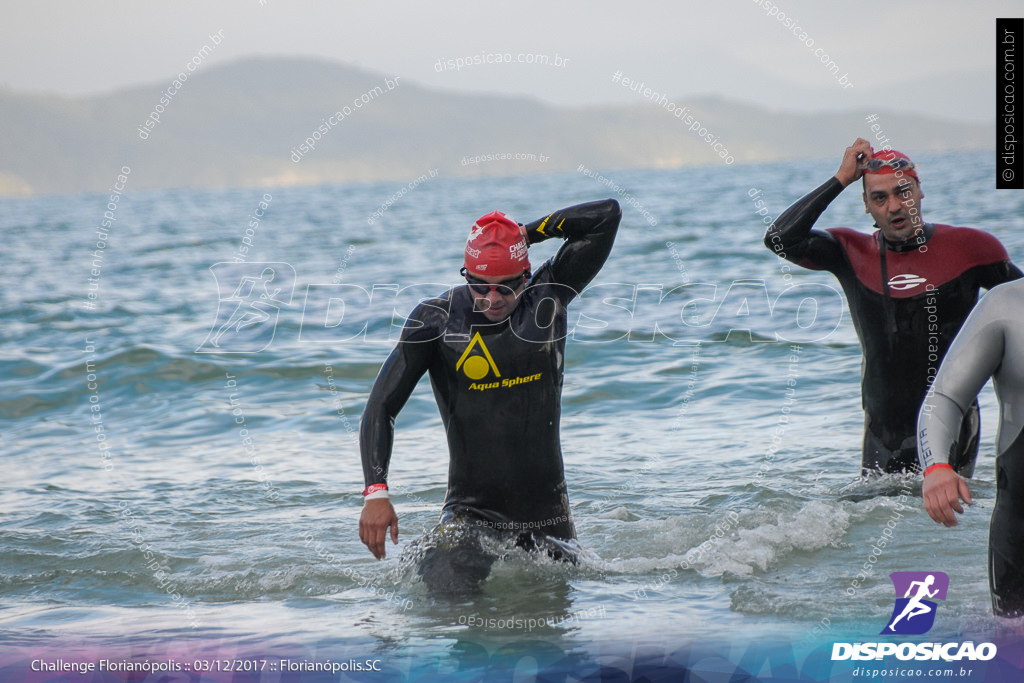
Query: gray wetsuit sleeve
pixel 980 350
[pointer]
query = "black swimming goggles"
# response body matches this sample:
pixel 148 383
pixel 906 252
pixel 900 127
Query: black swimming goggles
pixel 505 287
pixel 896 164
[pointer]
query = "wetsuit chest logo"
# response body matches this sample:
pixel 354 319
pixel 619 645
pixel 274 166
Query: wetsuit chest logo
pixel 477 366
pixel 906 281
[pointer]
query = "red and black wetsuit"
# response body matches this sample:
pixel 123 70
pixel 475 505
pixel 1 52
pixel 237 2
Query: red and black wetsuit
pixel 498 386
pixel 908 301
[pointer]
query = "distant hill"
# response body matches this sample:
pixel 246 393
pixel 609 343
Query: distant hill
pixel 240 124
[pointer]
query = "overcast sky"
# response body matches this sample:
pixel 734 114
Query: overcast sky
pixel 936 55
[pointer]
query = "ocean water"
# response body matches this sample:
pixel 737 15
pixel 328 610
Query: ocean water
pixel 218 507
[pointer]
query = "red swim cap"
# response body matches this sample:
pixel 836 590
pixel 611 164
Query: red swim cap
pixel 889 156
pixel 496 247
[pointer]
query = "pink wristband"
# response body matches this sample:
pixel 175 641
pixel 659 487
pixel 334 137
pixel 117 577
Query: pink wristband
pixel 938 465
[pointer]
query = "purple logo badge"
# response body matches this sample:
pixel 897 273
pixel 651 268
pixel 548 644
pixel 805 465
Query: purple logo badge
pixel 914 612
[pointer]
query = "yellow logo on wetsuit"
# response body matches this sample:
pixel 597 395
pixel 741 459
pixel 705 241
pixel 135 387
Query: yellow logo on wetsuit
pixel 477 367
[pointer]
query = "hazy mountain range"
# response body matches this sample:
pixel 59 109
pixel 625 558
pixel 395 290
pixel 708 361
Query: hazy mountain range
pixel 242 124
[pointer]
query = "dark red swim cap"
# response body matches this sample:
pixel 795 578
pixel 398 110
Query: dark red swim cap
pixel 496 247
pixel 890 165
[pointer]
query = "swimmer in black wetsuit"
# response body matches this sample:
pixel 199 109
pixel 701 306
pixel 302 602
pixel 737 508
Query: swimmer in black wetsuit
pixel 991 344
pixel 908 299
pixel 494 352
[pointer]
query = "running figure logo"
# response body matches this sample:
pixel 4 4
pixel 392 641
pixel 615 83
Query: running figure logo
pixel 914 613
pixel 250 296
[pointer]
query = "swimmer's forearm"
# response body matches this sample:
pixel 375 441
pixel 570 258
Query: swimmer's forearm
pixel 376 436
pixel 589 232
pixel 377 425
pixel 938 427
pixel 795 223
pixel 394 384
pixel 574 221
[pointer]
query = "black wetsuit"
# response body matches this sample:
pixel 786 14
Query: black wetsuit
pixel 991 344
pixel 498 386
pixel 907 301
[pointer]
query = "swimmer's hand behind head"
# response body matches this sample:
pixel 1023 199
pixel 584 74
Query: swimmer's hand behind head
pixel 377 516
pixel 850 169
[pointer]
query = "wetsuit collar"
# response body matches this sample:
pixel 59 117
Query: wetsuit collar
pixel 913 243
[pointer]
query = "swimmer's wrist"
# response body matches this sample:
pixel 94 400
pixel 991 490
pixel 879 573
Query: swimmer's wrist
pixel 375 491
pixel 938 466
